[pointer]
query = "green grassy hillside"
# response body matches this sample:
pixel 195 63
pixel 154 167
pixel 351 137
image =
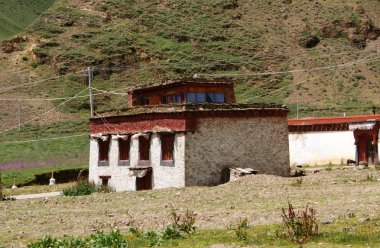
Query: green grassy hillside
pixel 137 42
pixel 16 15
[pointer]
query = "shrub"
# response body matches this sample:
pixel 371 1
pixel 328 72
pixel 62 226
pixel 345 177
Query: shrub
pixel 241 229
pixel 113 239
pixel 84 187
pixel 33 64
pixel 80 188
pixel 171 233
pixel 183 223
pixel 370 178
pixel 301 226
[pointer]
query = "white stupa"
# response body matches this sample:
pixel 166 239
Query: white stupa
pixel 14 186
pixel 52 180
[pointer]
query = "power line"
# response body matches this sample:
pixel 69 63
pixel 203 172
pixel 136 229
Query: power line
pixel 43 139
pixel 110 92
pixel 50 110
pixel 37 82
pixel 361 61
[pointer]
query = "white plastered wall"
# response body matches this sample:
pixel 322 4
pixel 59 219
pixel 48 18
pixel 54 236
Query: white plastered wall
pixel 164 174
pixel 119 178
pixel 320 148
pixel 168 174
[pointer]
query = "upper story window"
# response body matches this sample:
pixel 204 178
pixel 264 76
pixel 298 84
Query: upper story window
pixel 124 146
pixel 196 97
pixel 205 97
pixel 104 146
pixel 215 97
pixel 144 100
pixel 178 98
pixel 167 146
pixel 144 147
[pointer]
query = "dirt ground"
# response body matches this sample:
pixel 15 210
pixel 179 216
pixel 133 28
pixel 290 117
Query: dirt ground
pixel 259 198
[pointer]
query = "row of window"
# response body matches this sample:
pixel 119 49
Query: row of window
pixel 212 97
pixel 167 148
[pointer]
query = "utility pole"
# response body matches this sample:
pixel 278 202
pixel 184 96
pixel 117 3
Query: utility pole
pixel 89 72
pixel 297 103
pixel 19 116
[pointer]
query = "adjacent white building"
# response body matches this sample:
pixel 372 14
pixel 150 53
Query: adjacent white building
pixel 334 140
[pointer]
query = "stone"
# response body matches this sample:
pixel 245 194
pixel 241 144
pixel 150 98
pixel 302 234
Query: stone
pixel 309 41
pixel 326 222
pixel 364 219
pixel 349 229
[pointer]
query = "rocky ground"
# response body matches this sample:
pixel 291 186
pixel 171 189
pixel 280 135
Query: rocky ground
pixel 333 193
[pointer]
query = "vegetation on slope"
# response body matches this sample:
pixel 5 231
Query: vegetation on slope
pixel 137 42
pixel 16 15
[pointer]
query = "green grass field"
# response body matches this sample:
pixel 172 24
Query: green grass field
pixel 16 15
pixel 24 160
pixel 26 175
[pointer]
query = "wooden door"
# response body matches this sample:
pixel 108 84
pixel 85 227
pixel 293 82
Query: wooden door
pixel 144 183
pixel 365 149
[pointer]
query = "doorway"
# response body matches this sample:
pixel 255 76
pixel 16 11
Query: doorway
pixel 366 149
pixel 145 182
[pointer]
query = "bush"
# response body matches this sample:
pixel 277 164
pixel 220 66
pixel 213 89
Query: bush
pixel 241 229
pixel 80 188
pixel 86 188
pixel 183 223
pixel 301 226
pixel 33 64
pixel 112 239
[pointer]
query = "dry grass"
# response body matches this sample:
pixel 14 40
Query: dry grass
pixel 260 198
pixel 36 189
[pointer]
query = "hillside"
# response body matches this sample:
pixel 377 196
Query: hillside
pixel 137 42
pixel 16 15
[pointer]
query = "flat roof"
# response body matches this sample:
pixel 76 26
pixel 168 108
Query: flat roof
pixel 182 81
pixel 333 120
pixel 194 107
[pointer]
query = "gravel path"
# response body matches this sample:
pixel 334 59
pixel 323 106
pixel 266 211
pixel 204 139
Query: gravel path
pixel 33 196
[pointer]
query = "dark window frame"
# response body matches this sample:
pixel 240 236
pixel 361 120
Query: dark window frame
pixel 167 146
pixel 124 148
pixel 104 150
pixel 144 148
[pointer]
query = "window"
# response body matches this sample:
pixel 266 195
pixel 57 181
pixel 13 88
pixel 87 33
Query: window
pixel 215 97
pixel 144 100
pixel 178 98
pixel 219 97
pixel 196 97
pixel 210 97
pixel 105 180
pixel 167 146
pixel 191 97
pixel 124 145
pixel 144 147
pixel 104 146
pixel 201 97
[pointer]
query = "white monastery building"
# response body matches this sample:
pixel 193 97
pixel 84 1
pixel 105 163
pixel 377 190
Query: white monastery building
pixel 184 133
pixel 335 140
